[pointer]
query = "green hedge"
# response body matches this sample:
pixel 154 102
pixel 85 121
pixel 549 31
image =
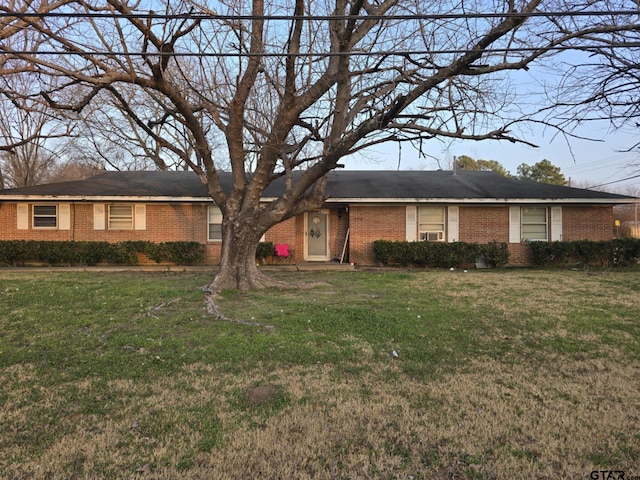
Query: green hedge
pixel 17 252
pixel 265 250
pixel 620 252
pixel 439 254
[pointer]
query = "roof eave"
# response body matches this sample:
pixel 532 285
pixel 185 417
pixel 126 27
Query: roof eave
pixel 353 200
pixel 499 201
pixel 103 198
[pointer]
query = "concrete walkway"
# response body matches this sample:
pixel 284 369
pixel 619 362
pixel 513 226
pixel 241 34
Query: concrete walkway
pixel 301 266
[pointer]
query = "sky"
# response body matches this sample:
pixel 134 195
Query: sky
pixel 585 163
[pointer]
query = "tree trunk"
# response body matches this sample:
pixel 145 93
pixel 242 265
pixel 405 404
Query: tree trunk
pixel 238 268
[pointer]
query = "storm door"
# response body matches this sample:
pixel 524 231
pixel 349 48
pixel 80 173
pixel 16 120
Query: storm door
pixel 316 236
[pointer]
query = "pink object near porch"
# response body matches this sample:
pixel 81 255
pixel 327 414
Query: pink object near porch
pixel 282 251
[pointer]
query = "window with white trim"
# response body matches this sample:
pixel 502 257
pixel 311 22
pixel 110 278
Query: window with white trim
pixel 214 224
pixel 120 217
pixel 45 216
pixel 535 224
pixel 431 224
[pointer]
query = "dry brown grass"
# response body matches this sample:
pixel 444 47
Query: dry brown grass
pixel 519 412
pixel 495 420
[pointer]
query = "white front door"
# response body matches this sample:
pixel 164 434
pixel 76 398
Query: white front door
pixel 316 236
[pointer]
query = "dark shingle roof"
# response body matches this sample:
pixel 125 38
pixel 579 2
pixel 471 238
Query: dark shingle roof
pixel 342 185
pixel 448 185
pixel 121 184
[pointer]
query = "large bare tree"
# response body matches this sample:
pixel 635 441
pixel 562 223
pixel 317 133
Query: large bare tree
pixel 603 85
pixel 31 139
pixel 26 155
pixel 266 87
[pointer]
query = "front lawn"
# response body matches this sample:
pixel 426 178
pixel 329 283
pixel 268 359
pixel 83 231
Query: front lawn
pixel 496 374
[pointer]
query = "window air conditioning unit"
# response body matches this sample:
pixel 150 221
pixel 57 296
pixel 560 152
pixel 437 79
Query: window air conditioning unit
pixel 432 236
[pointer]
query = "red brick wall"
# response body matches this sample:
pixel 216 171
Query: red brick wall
pixel 520 254
pixel 370 223
pixel 484 224
pixel 165 223
pixel 7 220
pixel 9 230
pixel 186 222
pixel 293 232
pixel 481 224
pixel 592 223
pixel 286 232
pixel 339 223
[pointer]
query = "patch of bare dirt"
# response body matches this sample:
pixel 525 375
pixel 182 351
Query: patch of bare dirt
pixel 260 395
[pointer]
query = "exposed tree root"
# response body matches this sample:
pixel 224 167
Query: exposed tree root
pixel 253 282
pixel 152 311
pixel 244 283
pixel 214 309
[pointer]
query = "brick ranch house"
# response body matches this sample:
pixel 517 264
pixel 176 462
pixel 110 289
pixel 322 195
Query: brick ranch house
pixel 362 206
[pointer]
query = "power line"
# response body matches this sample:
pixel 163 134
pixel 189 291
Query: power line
pixel 615 181
pixel 599 164
pixel 197 16
pixel 354 53
pixel 284 17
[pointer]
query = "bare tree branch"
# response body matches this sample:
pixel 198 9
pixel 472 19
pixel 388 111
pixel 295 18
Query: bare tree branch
pixel 265 88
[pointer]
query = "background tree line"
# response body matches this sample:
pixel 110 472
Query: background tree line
pixel 543 171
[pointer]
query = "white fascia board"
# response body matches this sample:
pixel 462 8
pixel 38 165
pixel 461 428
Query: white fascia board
pixel 355 200
pixel 484 201
pixel 100 198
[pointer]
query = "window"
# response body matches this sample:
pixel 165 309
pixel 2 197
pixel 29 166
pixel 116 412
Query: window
pixel 534 223
pixel 431 224
pixel 215 224
pixel 120 217
pixel 45 216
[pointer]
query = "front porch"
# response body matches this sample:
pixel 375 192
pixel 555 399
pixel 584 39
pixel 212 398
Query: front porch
pixel 308 266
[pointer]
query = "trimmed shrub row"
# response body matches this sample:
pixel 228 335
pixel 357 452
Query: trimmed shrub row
pixel 439 254
pixel 17 252
pixel 620 252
